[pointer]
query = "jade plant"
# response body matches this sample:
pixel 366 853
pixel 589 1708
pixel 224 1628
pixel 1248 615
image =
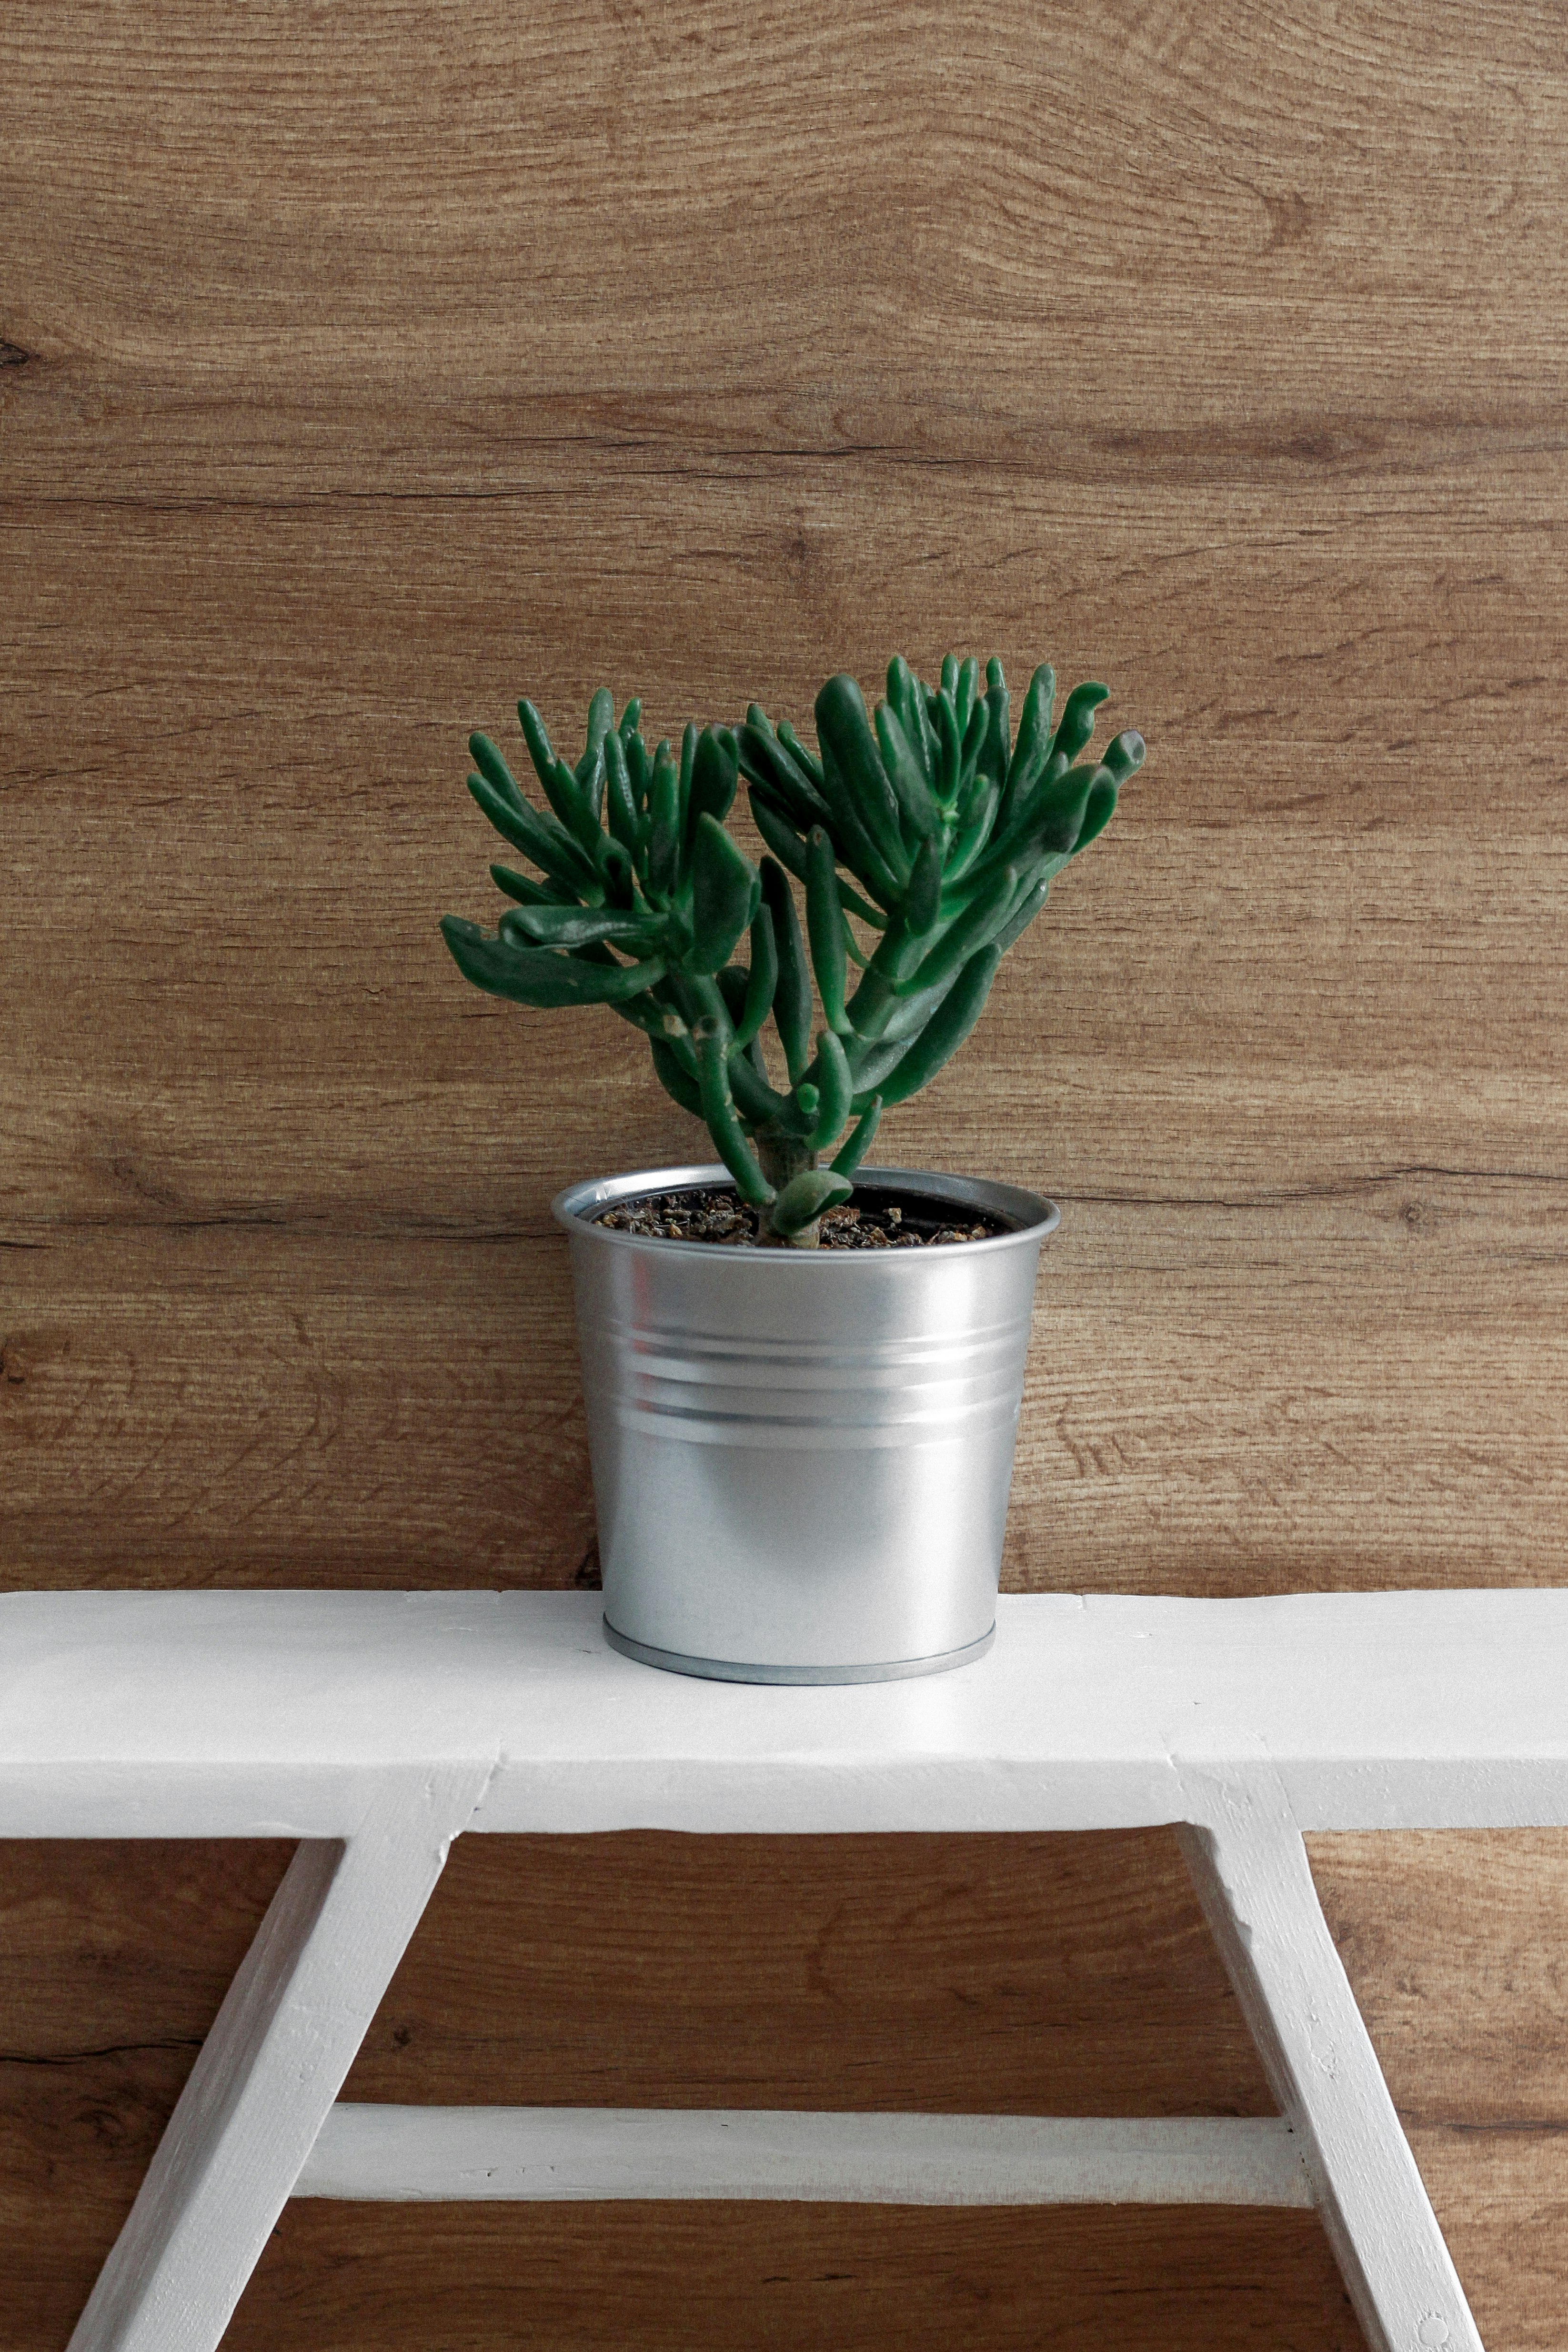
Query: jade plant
pixel 925 836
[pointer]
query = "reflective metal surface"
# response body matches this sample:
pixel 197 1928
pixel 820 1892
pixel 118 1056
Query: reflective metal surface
pixel 802 1457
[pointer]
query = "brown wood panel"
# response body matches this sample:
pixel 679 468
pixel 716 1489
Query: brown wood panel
pixel 113 1960
pixel 1006 1975
pixel 794 2278
pixel 461 190
pixel 1235 456
pixel 1453 1942
pixel 1209 1407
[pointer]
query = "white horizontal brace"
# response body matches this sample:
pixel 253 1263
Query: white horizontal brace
pixel 538 2154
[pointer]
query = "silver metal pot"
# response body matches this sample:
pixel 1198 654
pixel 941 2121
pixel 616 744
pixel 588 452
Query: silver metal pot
pixel 802 1457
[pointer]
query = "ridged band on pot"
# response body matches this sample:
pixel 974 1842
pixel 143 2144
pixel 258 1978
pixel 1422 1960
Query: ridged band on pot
pixel 802 1457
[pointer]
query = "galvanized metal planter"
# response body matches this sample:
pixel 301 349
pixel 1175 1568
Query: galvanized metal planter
pixel 802 1457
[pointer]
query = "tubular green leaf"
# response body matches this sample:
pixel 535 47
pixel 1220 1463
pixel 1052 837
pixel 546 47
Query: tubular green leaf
pixel 1078 721
pixel 762 981
pixel 530 894
pixel 620 801
pixel 994 752
pixel 713 779
pixel 918 811
pixel 859 1140
pixel 687 761
pixel 755 1099
pixel 825 927
pixel 777 832
pixel 804 1198
pixel 722 895
pixel 949 675
pixel 541 838
pixel 791 996
pixel 541 976
pixel 944 1035
pixel 562 789
pixel 921 905
pixel 540 749
pixel 664 841
pixel 964 692
pixel 906 1017
pixel 676 1084
pixel 969 751
pixel 615 866
pixel 1098 810
pixel 1125 755
pixel 631 718
pixel 601 719
pixel 979 923
pixel 719 1114
pixel 1046 822
pixel 978 825
pixel 949 763
pixel 1033 747
pixel 803 757
pixel 486 757
pixel 1057 822
pixel 1019 922
pixel 853 842
pixel 844 730
pixel 578 927
pixel 764 761
pixel 639 767
pixel 834 1088
pixel 907 699
pixel 790 850
pixel 572 806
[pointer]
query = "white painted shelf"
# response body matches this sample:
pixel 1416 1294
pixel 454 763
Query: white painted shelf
pixel 377 1727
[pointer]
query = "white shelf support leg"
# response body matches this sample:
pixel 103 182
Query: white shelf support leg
pixel 271 2067
pixel 1249 1867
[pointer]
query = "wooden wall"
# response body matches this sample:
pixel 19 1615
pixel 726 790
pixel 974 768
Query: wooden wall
pixel 362 367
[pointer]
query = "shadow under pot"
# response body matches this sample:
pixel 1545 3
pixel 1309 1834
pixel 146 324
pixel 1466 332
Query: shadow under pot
pixel 802 1457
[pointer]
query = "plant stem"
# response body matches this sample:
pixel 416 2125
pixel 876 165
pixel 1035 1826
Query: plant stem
pixel 783 1157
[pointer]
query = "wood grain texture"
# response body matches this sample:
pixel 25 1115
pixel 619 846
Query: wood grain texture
pixel 1048 1975
pixel 361 375
pixel 113 1961
pixel 1453 1944
pixel 811 2278
pixel 360 369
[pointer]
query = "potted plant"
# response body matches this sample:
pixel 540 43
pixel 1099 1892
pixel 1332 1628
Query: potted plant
pixel 802 1374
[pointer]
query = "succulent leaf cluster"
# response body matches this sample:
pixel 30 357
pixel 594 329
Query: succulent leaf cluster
pixel 927 827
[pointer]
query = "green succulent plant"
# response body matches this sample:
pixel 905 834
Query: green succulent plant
pixel 952 829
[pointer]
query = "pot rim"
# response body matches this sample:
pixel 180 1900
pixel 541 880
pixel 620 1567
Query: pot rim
pixel 572 1208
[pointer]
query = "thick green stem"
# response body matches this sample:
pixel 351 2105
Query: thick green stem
pixel 783 1157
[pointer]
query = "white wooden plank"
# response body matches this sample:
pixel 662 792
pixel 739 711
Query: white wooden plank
pixel 270 2070
pixel 1251 1871
pixel 416 2153
pixel 243 1713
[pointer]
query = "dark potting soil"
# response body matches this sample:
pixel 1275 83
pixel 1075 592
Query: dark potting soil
pixel 876 1218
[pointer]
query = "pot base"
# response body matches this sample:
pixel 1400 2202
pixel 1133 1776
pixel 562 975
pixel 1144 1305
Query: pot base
pixel 721 1670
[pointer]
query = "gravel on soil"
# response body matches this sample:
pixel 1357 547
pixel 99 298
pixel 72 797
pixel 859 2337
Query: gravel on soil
pixel 721 1219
